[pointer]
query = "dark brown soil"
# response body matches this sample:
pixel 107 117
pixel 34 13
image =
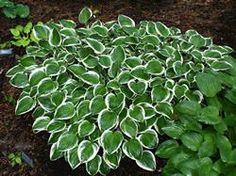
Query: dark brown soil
pixel 214 18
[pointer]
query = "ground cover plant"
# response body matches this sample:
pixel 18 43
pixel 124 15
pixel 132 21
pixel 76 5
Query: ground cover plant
pixel 12 10
pixel 112 90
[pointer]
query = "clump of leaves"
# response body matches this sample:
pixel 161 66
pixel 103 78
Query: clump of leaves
pixel 110 90
pixel 15 159
pixel 23 35
pixel 12 10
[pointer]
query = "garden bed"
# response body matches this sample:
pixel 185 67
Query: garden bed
pixel 209 17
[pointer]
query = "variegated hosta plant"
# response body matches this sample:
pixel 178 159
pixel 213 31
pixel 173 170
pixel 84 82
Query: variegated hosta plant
pixel 110 90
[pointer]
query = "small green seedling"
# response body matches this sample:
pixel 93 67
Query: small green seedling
pixel 23 35
pixel 15 159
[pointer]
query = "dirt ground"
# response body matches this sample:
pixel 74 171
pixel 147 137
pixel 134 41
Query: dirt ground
pixel 214 18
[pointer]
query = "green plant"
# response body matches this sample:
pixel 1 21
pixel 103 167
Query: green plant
pixel 12 10
pixel 23 35
pixel 10 99
pixel 110 90
pixel 15 159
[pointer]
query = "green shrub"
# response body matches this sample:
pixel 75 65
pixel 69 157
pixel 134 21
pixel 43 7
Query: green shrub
pixel 110 90
pixel 12 10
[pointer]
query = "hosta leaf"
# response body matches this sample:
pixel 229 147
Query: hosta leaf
pixel 164 109
pixel 58 98
pixel 129 127
pixel 167 148
pixel 83 109
pixel 212 54
pixel 97 104
pixel 100 30
pixel 87 151
pixel 149 139
pixel 40 124
pixel 90 77
pixel 114 101
pixel 77 70
pixel 147 161
pixel 132 148
pixel 97 46
pixel 192 140
pixel 19 80
pixel 84 15
pixel 205 166
pixel 93 166
pixel 151 39
pixel 140 72
pixel 174 131
pixel 113 160
pixel 28 62
pixel 208 147
pixel 68 23
pixel 24 105
pixel 197 40
pixel 55 153
pixel 14 70
pixel 221 65
pixel 118 54
pixel 55 126
pixel 124 77
pixel 73 158
pixel 90 61
pixel 36 76
pixel 67 141
pixel 46 86
pixel 104 168
pixel 162 29
pixel 208 84
pixel 137 113
pixel 188 107
pixel 137 87
pixel 225 147
pixel 160 94
pixel 86 128
pixel 154 67
pixel 107 119
pixel 104 61
pixel 209 115
pixel 55 38
pixel 65 111
pixel 99 89
pixel 125 21
pixel 111 141
pixel 133 62
pixel 22 10
pixel 41 32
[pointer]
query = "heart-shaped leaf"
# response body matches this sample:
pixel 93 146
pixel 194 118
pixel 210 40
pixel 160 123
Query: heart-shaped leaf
pixel 133 149
pixel 137 87
pixel 67 141
pixel 87 151
pixel 65 111
pixel 24 105
pixel 93 166
pixel 111 141
pixel 147 161
pixel 107 119
pixel 149 139
pixel 86 128
pixel 129 127
pixel 208 84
